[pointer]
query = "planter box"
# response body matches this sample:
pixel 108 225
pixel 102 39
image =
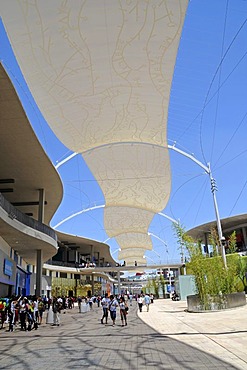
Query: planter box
pixel 216 303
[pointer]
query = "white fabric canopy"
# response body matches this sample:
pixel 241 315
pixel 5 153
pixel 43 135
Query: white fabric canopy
pixel 132 240
pixel 101 72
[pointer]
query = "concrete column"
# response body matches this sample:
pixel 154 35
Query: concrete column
pixel 92 284
pixel 92 253
pixel 39 260
pixel 244 236
pixel 206 242
pixel 118 280
pixel 41 205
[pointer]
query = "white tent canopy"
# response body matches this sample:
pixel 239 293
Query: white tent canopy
pixel 101 72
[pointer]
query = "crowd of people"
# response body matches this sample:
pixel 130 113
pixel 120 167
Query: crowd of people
pixel 144 299
pixel 23 311
pixel 111 303
pixel 26 313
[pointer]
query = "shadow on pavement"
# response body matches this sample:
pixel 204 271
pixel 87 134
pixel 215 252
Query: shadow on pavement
pixel 82 341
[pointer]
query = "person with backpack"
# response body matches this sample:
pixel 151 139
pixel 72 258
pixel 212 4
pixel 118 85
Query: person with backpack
pixel 56 308
pixel 41 309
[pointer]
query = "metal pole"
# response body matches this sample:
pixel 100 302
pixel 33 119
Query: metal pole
pixel 221 237
pixel 39 258
pixel 118 279
pixel 207 169
pixel 170 281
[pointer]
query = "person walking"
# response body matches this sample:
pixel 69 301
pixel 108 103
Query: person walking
pixel 90 301
pixel 140 302
pixel 123 311
pixel 35 309
pixel 79 301
pixel 131 298
pixel 98 300
pixel 56 308
pixel 113 308
pixel 41 308
pixel 105 305
pixel 11 314
pixel 147 301
pixel 23 308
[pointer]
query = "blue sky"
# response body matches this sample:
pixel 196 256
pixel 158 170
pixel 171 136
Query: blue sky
pixel 207 117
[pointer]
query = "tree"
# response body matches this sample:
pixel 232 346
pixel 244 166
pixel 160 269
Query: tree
pixel 232 243
pixel 242 271
pixel 212 279
pixel 155 283
pixel 162 284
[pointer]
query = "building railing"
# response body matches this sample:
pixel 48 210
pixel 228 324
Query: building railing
pixel 75 265
pixel 16 214
pixel 61 263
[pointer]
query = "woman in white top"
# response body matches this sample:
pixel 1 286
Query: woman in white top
pixel 105 305
pixel 140 302
pixel 113 308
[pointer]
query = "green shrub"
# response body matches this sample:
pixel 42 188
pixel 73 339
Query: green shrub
pixel 213 279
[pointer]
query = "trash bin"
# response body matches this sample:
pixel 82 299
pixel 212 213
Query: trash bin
pixel 49 317
pixel 84 308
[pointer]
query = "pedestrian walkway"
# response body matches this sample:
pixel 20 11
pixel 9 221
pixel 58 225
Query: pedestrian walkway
pixel 222 334
pixel 167 339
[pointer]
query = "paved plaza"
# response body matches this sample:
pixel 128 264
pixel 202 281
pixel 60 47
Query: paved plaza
pixel 166 337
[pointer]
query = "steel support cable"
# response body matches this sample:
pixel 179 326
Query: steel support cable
pixel 238 155
pixel 229 141
pixel 218 95
pixel 212 81
pixel 203 186
pixel 209 101
pixel 203 195
pixel 75 188
pixel 81 192
pixel 206 100
pixel 186 182
pixel 241 192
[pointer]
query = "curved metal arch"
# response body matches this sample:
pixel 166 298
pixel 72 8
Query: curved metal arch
pixel 78 213
pixel 103 206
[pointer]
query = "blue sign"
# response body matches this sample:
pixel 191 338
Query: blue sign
pixel 8 267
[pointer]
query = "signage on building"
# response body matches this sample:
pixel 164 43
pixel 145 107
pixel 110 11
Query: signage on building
pixel 8 267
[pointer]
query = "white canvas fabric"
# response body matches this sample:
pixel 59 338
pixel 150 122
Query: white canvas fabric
pixel 101 73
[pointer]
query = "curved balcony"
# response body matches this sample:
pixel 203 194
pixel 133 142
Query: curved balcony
pixel 16 214
pixel 26 235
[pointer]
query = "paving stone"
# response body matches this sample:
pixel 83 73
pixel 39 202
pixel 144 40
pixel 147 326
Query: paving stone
pixel 82 341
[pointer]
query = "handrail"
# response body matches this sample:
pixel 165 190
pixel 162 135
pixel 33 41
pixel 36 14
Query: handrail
pixel 16 214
